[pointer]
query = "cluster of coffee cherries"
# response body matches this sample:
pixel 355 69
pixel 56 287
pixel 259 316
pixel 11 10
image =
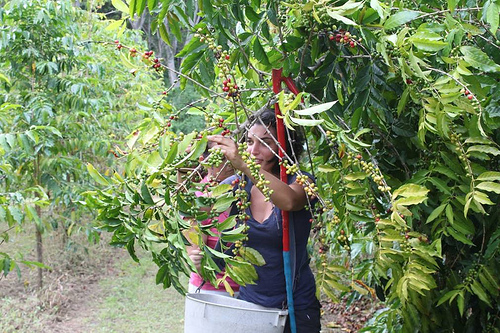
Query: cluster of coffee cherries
pixel 343 240
pixel 331 137
pixel 215 158
pixel 119 46
pixel 217 122
pixel 311 189
pixel 405 244
pixel 344 37
pixel 456 139
pixel 172 118
pixel 370 169
pixel 242 204
pixel 225 72
pixel 156 64
pixel 302 179
pixel 468 94
pixel 146 55
pixel 291 169
pixel 205 38
pixel 231 89
pixel 223 63
pixel 261 182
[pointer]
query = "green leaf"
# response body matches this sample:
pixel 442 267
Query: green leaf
pixel 326 168
pixel 479 291
pixel 435 213
pixel 382 13
pixel 356 176
pixel 146 195
pixel 400 18
pixel 251 14
pixel 336 15
pixel 96 175
pixel 449 213
pixel 489 285
pixel 315 109
pixel 484 149
pixel 492 16
pixel 164 34
pixel 459 236
pixel 228 223
pixel 428 44
pixel 120 5
pixel 132 8
pixel 215 253
pixel 461 302
pixel 450 295
pixel 480 140
pixel 489 175
pixel 407 201
pixel 252 256
pixel 403 100
pixel 173 22
pixel 260 53
pixel 16 214
pixel 141 5
pixel 223 203
pixel 221 189
pixel 478 59
pixel 306 122
pixel 445 171
pixel 152 4
pixel 114 25
pixel 35 263
pixel 489 186
pixel 482 198
pixel 410 190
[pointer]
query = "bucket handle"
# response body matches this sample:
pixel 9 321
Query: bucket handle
pixel 279 318
pixel 204 310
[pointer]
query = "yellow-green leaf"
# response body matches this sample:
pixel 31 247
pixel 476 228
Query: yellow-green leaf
pixel 120 5
pixel 484 149
pixel 489 186
pixel 410 190
pixel 96 175
pixel 489 175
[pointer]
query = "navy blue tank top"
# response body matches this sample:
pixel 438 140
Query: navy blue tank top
pixel 267 239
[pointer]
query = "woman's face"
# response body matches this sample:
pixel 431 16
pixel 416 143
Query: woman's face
pixel 257 138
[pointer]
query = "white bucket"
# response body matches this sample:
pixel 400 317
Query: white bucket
pixel 208 313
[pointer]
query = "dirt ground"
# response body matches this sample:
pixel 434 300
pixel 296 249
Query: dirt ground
pixel 72 294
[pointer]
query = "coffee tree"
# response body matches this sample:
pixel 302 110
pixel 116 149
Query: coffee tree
pixel 406 160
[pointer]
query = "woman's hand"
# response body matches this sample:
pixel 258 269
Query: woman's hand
pixel 230 149
pixel 195 254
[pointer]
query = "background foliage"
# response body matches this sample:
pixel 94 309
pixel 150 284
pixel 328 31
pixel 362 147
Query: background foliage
pixel 66 101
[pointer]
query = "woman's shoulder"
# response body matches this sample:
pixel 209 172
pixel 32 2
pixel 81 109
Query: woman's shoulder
pixel 230 179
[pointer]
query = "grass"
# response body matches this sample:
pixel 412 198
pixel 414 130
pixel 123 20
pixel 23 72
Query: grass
pixel 91 288
pixel 134 303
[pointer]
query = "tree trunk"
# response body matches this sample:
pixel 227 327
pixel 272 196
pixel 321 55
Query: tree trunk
pixel 39 252
pixel 39 242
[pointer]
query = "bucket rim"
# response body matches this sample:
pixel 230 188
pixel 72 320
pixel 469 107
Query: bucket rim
pixel 265 310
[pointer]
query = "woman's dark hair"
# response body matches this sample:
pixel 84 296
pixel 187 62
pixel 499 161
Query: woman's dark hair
pixel 295 139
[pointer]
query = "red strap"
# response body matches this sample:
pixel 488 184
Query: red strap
pixel 277 79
